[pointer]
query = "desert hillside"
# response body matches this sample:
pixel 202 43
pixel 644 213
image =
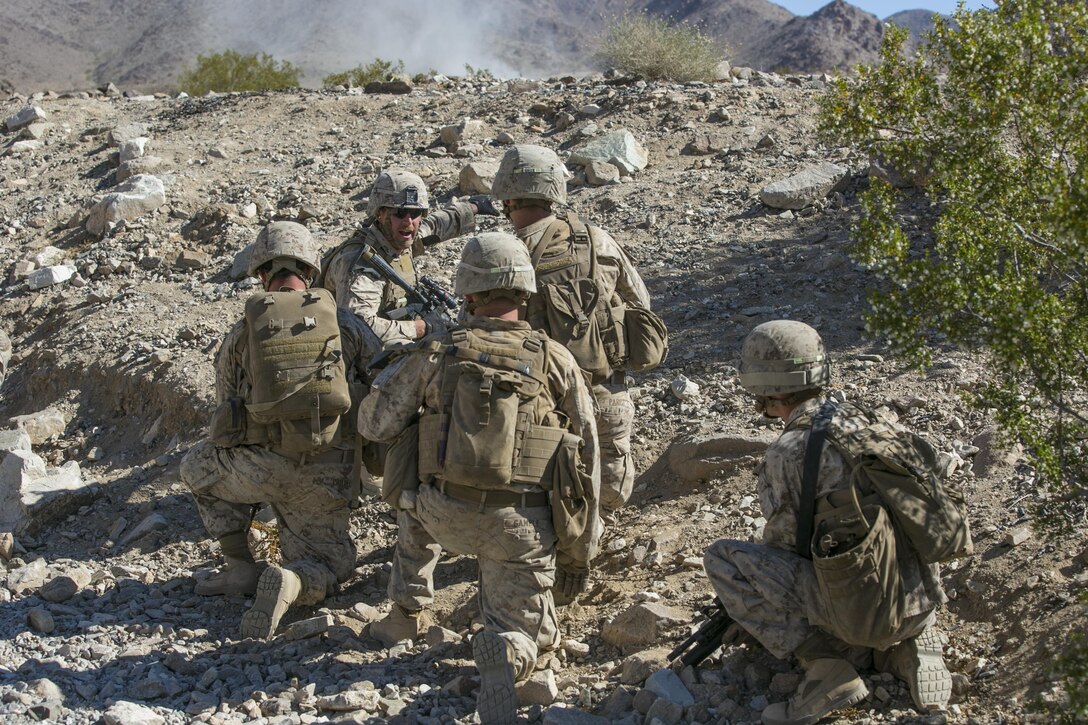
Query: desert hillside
pixel 115 324
pixel 144 47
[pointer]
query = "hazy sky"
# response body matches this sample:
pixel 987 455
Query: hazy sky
pixel 884 8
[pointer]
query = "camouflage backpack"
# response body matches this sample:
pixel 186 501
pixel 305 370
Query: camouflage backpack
pixel 569 305
pixel 857 536
pixel 901 469
pixel 298 379
pixel 496 425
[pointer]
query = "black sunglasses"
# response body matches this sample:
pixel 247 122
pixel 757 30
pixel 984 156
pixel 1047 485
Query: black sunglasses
pixel 407 213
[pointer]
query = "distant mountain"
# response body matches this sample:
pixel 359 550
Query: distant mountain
pixel 836 37
pixel 78 44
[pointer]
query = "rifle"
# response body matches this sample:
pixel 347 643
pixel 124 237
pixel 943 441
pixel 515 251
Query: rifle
pixel 706 639
pixel 429 297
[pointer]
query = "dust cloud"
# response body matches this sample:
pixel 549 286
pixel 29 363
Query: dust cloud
pixel 326 36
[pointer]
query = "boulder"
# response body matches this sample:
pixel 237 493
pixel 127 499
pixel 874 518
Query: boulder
pixel 641 625
pixel 600 173
pixel 805 187
pixel 131 713
pixel 49 276
pixel 130 200
pixel 704 457
pixel 24 117
pixel 539 689
pixel 476 177
pixel 619 148
pixel 28 489
pixel 467 129
pixel 126 132
pixel 133 148
pixel 41 426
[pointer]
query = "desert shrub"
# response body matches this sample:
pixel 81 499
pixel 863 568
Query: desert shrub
pixel 360 75
pixel 478 74
pixel 989 117
pixel 1068 702
pixel 232 71
pixel 652 48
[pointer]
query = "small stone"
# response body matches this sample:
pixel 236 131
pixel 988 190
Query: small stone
pixel 40 619
pixel 539 689
pixel 1017 536
pixel 311 627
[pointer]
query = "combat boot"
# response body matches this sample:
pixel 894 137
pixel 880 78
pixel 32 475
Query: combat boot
pixel 277 590
pixel 829 684
pixel 919 661
pixel 400 624
pixel 496 703
pixel 239 572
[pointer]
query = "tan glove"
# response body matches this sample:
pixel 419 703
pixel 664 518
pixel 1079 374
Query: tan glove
pixel 568 585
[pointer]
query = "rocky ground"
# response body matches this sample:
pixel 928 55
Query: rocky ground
pixel 100 621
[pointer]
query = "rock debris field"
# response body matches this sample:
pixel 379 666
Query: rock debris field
pixel 120 220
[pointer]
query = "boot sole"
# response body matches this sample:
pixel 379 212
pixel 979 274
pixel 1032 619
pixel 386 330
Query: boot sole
pixel 268 608
pixel 931 683
pixel 497 702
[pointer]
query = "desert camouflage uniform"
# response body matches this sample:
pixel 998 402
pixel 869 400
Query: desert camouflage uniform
pixel 363 290
pixel 515 546
pixel 615 409
pixel 310 495
pixel 768 588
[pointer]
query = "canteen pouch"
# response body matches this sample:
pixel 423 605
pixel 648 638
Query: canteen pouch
pixel 647 338
pixel 228 425
pixel 854 555
pixel 400 481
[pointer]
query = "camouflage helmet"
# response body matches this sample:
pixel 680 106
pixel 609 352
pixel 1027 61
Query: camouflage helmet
pixel 399 189
pixel 494 260
pixel 530 172
pixel 783 356
pixel 288 240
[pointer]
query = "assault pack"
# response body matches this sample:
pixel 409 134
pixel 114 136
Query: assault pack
pixel 298 381
pixel 495 426
pixel 899 502
pixel 901 468
pixel 570 306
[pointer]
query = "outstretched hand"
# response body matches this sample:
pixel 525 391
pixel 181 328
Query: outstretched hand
pixel 483 205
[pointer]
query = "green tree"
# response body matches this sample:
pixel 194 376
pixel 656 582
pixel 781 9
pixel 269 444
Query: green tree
pixel 652 48
pixel 360 75
pixel 990 116
pixel 232 71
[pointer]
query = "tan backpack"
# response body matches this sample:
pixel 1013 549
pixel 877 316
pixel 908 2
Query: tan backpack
pixel 496 425
pixel 898 504
pixel 569 303
pixel 297 374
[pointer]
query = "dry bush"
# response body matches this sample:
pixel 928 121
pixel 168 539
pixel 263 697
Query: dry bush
pixel 231 71
pixel 652 48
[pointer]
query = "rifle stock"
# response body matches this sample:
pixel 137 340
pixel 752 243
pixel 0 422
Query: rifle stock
pixel 704 640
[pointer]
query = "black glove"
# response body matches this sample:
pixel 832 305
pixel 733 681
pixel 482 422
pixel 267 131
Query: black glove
pixel 568 585
pixel 484 205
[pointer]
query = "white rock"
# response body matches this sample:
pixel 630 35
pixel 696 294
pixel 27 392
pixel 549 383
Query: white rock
pixel 619 148
pixel 476 177
pixel 49 276
pixel 26 484
pixel 805 187
pixel 24 117
pixel 131 713
pixel 137 196
pixel 133 148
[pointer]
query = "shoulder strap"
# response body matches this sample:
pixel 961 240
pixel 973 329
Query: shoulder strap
pixel 814 449
pixel 570 228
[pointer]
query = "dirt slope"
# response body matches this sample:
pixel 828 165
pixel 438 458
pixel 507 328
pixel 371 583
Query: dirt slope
pixel 127 357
